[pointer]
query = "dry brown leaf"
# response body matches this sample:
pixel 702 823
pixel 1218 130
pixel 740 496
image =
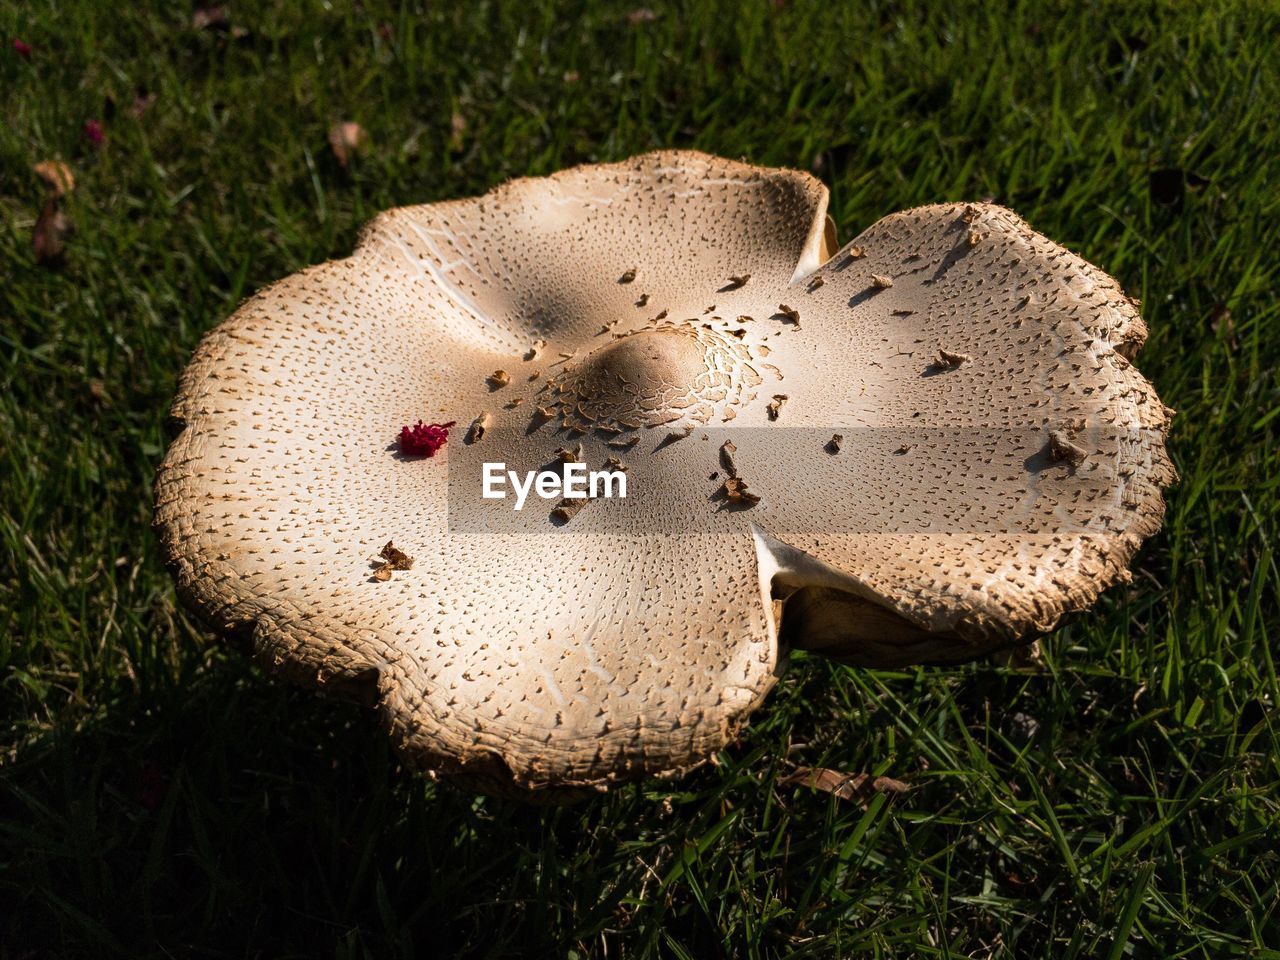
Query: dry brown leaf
pixel 948 359
pixel 142 102
pixel 735 489
pixel 56 175
pixel 844 786
pixel 203 18
pixel 347 139
pixel 566 509
pixel 98 390
pixel 1061 449
pixel 480 426
pixel 396 559
pixel 727 450
pixel 1220 319
pixel 48 238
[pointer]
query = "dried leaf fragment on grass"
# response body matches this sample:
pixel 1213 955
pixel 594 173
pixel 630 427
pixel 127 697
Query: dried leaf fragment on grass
pixel 1221 324
pixel 346 139
pixel 49 236
pixel 205 18
pixel 142 102
pixel 57 177
pixel 844 786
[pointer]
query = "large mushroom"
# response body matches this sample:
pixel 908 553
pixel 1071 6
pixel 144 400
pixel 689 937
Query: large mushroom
pixel 925 446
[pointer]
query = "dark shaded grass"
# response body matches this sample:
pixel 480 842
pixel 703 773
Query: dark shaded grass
pixel 159 797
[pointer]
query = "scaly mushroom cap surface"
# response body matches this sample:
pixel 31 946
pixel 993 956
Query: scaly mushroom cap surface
pixel 949 446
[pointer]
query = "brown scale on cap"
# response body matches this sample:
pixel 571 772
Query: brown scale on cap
pixel 623 652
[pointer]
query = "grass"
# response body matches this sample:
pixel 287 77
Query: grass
pixel 161 797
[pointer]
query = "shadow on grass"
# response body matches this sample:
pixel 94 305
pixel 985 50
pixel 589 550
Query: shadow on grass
pixel 241 816
pixel 237 816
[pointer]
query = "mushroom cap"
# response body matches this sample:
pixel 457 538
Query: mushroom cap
pixel 1000 459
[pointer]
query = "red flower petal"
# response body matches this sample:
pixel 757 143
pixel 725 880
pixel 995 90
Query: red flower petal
pixel 93 132
pixel 424 439
pixel 22 49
